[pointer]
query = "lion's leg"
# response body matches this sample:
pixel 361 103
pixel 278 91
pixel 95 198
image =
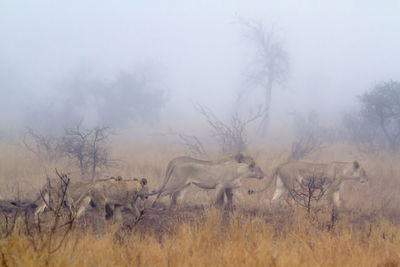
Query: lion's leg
pixel 178 194
pixel 336 199
pixel 174 197
pixel 40 209
pixel 100 210
pixel 117 215
pixel 183 192
pixel 138 212
pixel 44 198
pixel 101 207
pixel 134 208
pixel 219 201
pixel 109 208
pixel 280 189
pixel 229 196
pixel 82 206
pixel 334 203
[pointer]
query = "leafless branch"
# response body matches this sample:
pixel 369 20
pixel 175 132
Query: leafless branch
pixel 309 190
pixel 60 217
pixel 43 146
pixel 232 136
pixel 192 143
pixel 87 147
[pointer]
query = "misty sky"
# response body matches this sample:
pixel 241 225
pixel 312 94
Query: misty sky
pixel 197 49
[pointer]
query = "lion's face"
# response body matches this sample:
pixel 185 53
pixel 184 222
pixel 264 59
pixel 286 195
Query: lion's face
pixel 144 191
pixel 363 176
pixel 249 168
pixel 358 172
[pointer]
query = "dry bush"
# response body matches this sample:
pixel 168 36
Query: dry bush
pixel 311 189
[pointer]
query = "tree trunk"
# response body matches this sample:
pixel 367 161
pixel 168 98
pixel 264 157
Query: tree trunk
pixel 263 128
pixel 94 155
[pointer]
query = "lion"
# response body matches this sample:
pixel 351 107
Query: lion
pixel 113 194
pixel 103 194
pixel 331 177
pixel 222 175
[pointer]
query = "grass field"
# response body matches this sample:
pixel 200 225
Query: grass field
pixel 367 232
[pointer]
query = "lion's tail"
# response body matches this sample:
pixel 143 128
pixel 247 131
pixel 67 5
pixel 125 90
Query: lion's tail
pixel 273 178
pixel 168 173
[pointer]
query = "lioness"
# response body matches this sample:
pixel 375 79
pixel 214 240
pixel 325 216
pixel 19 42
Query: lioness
pixel 289 176
pixel 80 195
pixel 123 193
pixel 222 175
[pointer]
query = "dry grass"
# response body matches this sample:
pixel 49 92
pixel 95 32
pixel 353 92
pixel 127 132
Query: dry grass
pixel 215 241
pixel 368 234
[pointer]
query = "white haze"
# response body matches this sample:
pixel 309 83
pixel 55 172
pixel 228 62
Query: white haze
pixel 197 49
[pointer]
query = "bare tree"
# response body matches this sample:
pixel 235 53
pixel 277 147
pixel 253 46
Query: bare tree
pixel 87 147
pixel 270 66
pixel 74 144
pixel 98 152
pixel 231 136
pixel 43 146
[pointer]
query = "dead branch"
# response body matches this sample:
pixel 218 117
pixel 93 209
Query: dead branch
pixel 309 190
pixel 232 136
pixel 43 146
pixel 192 143
pixel 87 148
pixel 60 217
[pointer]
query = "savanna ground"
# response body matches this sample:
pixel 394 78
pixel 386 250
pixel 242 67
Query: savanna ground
pixel 367 232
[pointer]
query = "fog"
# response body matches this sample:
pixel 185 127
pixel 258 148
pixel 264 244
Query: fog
pixel 192 53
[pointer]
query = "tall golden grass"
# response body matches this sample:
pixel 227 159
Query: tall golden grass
pixel 239 241
pixel 368 234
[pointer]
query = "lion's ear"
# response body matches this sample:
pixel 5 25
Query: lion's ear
pixel 356 165
pixel 239 158
pixel 143 182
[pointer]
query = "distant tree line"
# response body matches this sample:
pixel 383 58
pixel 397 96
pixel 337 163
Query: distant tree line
pixel 131 96
pixel 376 123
